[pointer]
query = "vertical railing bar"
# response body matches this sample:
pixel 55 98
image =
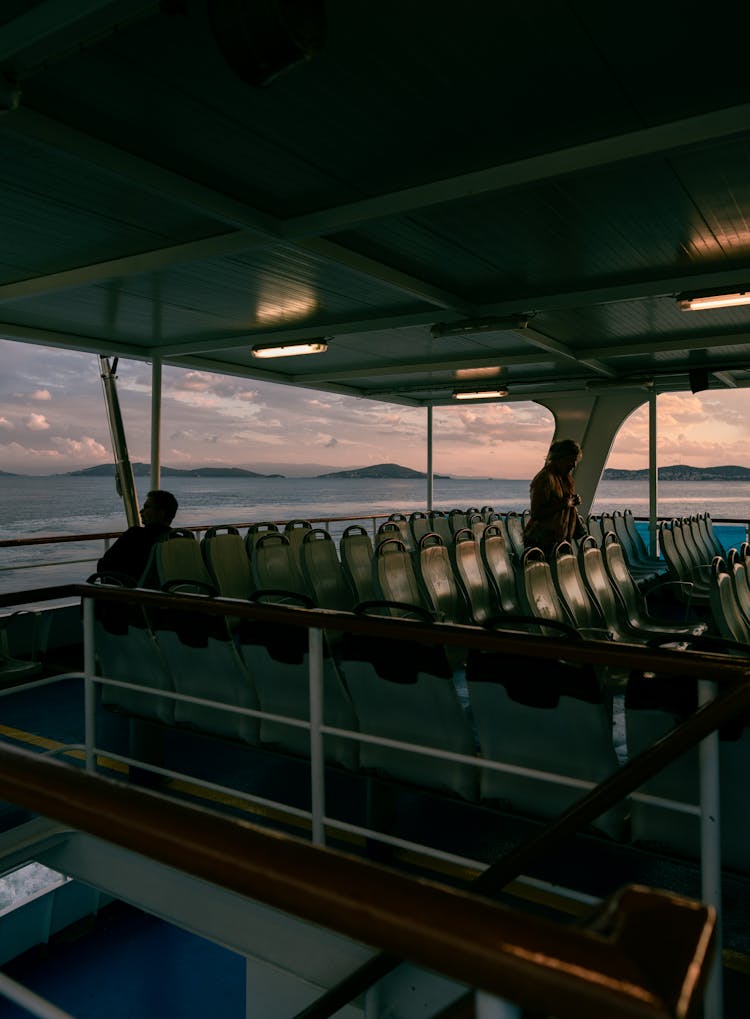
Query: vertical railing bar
pixel 317 766
pixel 710 791
pixel 89 671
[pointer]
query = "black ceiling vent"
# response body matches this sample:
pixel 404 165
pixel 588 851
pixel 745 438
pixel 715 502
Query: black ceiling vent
pixel 260 39
pixel 698 378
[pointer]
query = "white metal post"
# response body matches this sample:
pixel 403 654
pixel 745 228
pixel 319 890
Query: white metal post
pixel 155 422
pixel 430 476
pixel 710 789
pixel 89 671
pixel 317 765
pixel 653 474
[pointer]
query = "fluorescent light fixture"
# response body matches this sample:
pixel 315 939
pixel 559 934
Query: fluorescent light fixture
pixel 480 394
pixel 479 325
pixel 702 302
pixel 318 346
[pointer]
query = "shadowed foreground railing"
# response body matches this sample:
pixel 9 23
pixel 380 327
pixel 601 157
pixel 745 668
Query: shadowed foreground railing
pixel 605 968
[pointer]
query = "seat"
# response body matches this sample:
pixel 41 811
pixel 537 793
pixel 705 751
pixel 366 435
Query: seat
pixel 387 530
pixel 476 523
pixel 275 567
pixel 199 650
pixel 641 568
pixel 402 690
pixel 395 580
pixel 277 657
pixel 499 567
pixel 729 619
pixel 419 524
pixel 630 625
pixel 225 555
pixel 472 577
pixel 356 553
pixel 556 721
pixel 435 571
pixel 514 531
pixel 12 667
pixel 631 596
pixel 295 530
pixel 404 529
pixel 322 572
pixel 582 610
pixel 457 520
pixel 737 567
pixel 486 511
pixel 255 532
pixel 642 553
pixel 439 524
pixel 691 584
pixel 594 527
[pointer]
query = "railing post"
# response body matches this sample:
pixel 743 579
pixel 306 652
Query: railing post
pixel 317 759
pixel 89 671
pixel 711 850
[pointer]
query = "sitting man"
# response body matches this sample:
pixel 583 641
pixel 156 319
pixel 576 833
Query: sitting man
pixel 130 553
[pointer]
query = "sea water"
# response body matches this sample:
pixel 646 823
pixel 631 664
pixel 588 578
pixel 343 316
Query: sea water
pixel 62 505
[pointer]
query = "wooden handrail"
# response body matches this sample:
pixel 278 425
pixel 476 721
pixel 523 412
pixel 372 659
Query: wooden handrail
pixel 604 970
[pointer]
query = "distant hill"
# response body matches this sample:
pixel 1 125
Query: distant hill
pixel 141 470
pixel 682 472
pixel 8 474
pixel 380 471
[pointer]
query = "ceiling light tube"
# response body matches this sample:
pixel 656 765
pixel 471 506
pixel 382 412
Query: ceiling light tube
pixel 318 346
pixel 702 302
pixel 483 394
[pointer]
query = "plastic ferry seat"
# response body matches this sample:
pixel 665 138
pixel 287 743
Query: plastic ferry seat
pixel 404 530
pixel 225 556
pixel 388 530
pixel 395 579
pixel 693 585
pixel 419 524
pixel 713 536
pixel 255 532
pixel 556 721
pixel 729 619
pixel 737 568
pixel 277 658
pixel 644 571
pixel 486 511
pixel 177 562
pixel 457 520
pixel 274 566
pixel 126 649
pixel 641 551
pixel 653 707
pixel 477 524
pixel 435 571
pixel 500 568
pixel 634 600
pixel 356 554
pixel 439 524
pixel 402 690
pixel 473 580
pixel 594 527
pixel 582 610
pixel 321 570
pixel 631 622
pixel 295 530
pixel 514 530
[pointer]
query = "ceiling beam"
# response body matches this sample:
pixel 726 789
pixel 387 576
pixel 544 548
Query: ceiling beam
pixel 698 341
pixel 726 378
pixel 409 368
pixel 73 341
pixel 46 19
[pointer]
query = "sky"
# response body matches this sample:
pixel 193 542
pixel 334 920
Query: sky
pixel 52 420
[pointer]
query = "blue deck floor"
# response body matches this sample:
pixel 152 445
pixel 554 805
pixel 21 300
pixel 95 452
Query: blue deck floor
pixel 124 964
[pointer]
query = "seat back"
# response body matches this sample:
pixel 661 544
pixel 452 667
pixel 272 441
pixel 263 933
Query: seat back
pixel 716 543
pixel 514 530
pixel 498 565
pixel 472 577
pixel 538 592
pixel 726 612
pixel 404 530
pixel 670 550
pixel 477 524
pixel 637 542
pixel 457 520
pixel 255 532
pixel 395 578
pixel 322 572
pixel 439 524
pixel 595 577
pixel 224 553
pixel 295 530
pixel 555 722
pixel 594 527
pixel 176 564
pixel 404 691
pixel 581 609
pixel 356 554
pixel 435 571
pixel 624 536
pixel 486 511
pixel 274 566
pixel 419 524
pixel 737 567
pixel 387 530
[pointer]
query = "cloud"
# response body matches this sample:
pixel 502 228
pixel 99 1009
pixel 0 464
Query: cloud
pixel 41 394
pixel 37 423
pixel 85 447
pixel 5 423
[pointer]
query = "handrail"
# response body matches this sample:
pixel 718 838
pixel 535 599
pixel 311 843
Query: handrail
pixel 603 970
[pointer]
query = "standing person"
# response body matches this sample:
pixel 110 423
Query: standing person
pixel 554 516
pixel 130 553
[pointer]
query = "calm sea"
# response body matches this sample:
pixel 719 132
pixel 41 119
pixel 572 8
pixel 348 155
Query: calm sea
pixel 32 506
